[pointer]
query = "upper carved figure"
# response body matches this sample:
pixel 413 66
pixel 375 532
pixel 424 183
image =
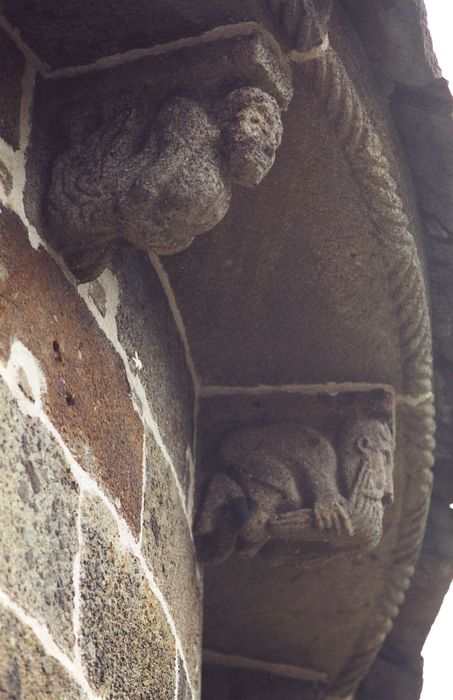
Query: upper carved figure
pixel 285 492
pixel 156 183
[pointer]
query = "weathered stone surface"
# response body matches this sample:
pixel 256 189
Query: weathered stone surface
pixel 184 691
pixel 88 31
pixel 221 683
pixel 168 547
pixel 65 35
pixel 392 679
pixel 313 303
pixel 146 329
pixel 127 647
pixel 87 395
pixel 6 179
pixel 286 491
pixel 254 609
pixel 397 38
pixel 425 125
pixel 38 506
pixel 158 196
pixel 13 65
pixel 97 294
pixel 26 672
pixel 147 152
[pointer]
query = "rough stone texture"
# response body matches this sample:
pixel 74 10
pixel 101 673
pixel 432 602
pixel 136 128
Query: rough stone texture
pixel 38 506
pixel 97 294
pixel 146 327
pixel 184 691
pixel 87 395
pixel 422 107
pixel 254 609
pixel 393 680
pixel 397 38
pixel 156 183
pixel 147 152
pixel 285 490
pixel 127 646
pixel 221 683
pixel 69 34
pixel 169 549
pixel 312 303
pixel 26 672
pixel 424 120
pixel 13 65
pixel 6 179
pixel 89 30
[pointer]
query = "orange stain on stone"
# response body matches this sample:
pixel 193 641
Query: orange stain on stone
pixel 88 396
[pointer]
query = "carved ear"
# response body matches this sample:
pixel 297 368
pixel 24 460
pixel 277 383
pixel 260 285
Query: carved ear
pixel 363 444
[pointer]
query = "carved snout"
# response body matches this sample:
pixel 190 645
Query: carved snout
pixel 252 132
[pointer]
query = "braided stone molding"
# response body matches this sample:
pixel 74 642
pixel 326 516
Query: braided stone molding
pixel 304 23
pixel 346 115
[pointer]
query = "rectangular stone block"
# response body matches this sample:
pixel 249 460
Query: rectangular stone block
pixel 168 547
pixel 127 646
pixel 38 507
pixel 88 395
pixel 26 672
pixel 13 66
pixel 146 328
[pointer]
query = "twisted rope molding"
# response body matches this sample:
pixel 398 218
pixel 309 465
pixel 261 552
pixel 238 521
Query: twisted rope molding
pixel 336 95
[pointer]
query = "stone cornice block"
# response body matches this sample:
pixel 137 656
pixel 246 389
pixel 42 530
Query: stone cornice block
pixel 146 152
pixel 298 481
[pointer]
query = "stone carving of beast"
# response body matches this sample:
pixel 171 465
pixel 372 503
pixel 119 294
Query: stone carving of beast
pixel 286 493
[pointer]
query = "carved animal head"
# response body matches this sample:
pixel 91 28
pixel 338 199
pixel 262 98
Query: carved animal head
pixel 252 132
pixel 366 453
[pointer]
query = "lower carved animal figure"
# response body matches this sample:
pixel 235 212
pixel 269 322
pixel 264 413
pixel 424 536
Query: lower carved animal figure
pixel 286 493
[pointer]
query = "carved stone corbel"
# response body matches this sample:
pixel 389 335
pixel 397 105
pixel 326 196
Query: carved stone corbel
pixel 149 158
pixel 288 492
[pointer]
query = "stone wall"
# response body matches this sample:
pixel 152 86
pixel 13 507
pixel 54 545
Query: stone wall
pixel 99 586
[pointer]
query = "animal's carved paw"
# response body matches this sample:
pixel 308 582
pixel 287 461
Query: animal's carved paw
pixel 333 515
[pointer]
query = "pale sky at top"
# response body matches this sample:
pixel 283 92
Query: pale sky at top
pixel 438 650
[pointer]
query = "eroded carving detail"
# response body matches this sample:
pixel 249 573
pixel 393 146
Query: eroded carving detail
pixel 287 493
pixel 156 183
pixel 304 22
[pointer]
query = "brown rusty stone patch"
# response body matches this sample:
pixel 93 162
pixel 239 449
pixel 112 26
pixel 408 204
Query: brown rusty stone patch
pixel 88 396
